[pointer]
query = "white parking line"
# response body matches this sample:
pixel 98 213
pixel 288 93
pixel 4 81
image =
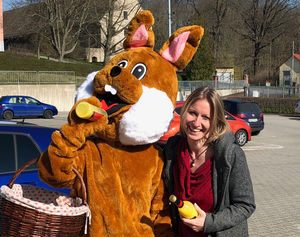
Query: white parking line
pixel 262 147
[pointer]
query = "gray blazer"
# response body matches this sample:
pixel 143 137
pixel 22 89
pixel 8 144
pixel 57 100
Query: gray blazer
pixel 232 187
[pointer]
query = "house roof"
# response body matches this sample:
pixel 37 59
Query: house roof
pixel 296 56
pixel 16 24
pixel 20 22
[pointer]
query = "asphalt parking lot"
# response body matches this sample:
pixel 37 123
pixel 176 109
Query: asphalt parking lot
pixel 274 161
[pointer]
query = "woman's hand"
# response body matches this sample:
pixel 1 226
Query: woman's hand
pixel 196 224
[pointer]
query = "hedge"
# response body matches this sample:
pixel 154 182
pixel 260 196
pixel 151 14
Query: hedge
pixel 272 105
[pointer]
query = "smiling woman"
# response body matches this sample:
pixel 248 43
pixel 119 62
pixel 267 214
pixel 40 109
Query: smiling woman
pixel 203 163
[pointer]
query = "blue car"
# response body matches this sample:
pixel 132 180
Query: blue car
pixel 12 106
pixel 248 111
pixel 20 143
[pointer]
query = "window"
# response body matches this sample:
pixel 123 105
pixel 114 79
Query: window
pixel 230 107
pixel 19 100
pixel 26 150
pixel 7 159
pixel 224 77
pixel 178 110
pixel 30 101
pixel 94 59
pixel 125 14
pixel 19 145
pixel 286 73
pixel 249 107
pixel 229 117
pixel 13 100
pixel 287 78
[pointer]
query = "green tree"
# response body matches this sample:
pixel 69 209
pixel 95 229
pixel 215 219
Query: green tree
pixel 202 65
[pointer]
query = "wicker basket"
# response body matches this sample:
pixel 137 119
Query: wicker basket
pixel 20 220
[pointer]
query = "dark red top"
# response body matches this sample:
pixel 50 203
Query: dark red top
pixel 195 187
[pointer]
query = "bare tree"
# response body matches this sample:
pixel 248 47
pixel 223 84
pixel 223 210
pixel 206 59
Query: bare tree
pixel 264 21
pixel 159 10
pixel 60 21
pixel 26 11
pixel 114 23
pixel 215 13
pixel 107 24
pixel 65 19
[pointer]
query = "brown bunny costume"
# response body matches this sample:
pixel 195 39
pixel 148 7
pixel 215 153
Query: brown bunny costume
pixel 115 154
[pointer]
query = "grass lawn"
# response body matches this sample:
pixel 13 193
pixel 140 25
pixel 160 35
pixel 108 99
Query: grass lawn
pixel 15 62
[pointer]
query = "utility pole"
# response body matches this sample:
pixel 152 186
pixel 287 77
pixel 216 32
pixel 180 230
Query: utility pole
pixel 293 62
pixel 1 28
pixel 169 17
pixel 270 61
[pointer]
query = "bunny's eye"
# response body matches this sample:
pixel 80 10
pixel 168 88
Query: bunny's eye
pixel 123 63
pixel 139 71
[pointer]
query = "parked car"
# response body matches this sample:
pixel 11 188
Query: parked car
pixel 239 127
pixel 174 127
pixel 248 111
pixel 24 106
pixel 297 108
pixel 20 143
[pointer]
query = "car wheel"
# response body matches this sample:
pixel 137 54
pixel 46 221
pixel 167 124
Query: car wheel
pixel 48 114
pixel 241 137
pixel 8 114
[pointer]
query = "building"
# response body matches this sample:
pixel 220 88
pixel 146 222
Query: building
pixel 17 29
pixel 1 28
pixel 123 12
pixel 225 74
pixel 20 35
pixel 289 71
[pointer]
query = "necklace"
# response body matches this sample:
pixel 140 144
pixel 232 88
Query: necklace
pixel 198 156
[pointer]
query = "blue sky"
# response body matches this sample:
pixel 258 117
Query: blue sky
pixel 5 5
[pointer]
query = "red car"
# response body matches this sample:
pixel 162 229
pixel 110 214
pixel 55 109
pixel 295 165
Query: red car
pixel 239 127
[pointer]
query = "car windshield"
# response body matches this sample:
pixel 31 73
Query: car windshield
pixel 178 109
pixel 1 98
pixel 248 107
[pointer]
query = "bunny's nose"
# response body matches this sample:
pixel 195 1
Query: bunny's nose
pixel 115 71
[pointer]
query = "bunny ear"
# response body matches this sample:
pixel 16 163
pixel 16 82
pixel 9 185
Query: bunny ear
pixel 139 32
pixel 182 45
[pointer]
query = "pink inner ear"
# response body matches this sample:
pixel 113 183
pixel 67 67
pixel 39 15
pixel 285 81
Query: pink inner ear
pixel 173 52
pixel 139 38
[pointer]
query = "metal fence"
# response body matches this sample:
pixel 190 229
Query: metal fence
pixel 274 91
pixel 184 87
pixel 192 85
pixel 37 77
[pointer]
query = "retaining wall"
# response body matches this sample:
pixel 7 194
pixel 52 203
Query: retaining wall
pixel 60 95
